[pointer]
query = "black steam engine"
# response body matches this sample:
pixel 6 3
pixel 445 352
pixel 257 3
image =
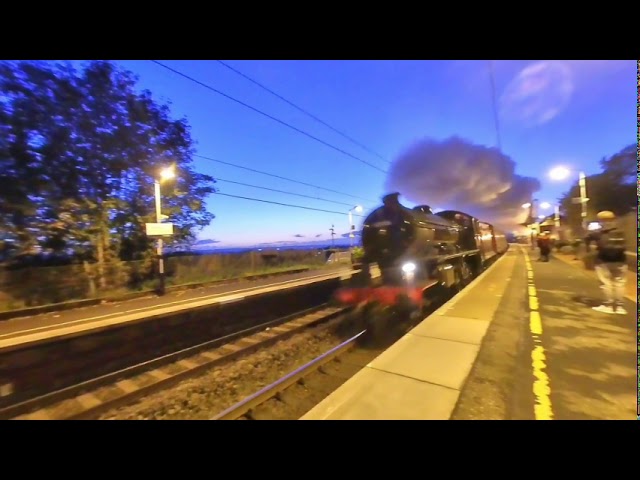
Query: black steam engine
pixel 417 251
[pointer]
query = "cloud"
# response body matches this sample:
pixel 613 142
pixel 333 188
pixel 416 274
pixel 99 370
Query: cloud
pixel 297 235
pixel 538 93
pixel 206 242
pixel 456 174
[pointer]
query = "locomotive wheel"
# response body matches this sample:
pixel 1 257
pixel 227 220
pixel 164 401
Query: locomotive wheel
pixel 377 323
pixel 465 275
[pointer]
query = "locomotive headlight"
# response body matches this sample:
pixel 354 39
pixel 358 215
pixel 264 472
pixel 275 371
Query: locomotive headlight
pixel 409 267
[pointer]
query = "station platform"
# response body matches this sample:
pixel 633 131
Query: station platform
pixel 42 327
pixel 521 342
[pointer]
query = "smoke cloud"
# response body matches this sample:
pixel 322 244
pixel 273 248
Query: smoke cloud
pixel 456 174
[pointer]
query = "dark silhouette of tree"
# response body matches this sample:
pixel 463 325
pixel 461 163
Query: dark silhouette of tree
pixel 79 152
pixel 613 189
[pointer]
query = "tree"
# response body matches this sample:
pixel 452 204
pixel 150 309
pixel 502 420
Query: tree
pixel 614 189
pixel 79 153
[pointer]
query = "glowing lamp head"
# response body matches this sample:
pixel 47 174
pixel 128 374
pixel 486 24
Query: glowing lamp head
pixel 358 208
pixel 559 173
pixel 409 267
pixel 526 205
pixel 545 205
pixel 167 173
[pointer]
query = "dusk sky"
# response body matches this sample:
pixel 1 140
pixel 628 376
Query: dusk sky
pixel 551 112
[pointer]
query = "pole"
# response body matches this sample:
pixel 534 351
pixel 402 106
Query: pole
pixel 161 289
pixel 583 201
pixel 350 228
pixel 531 214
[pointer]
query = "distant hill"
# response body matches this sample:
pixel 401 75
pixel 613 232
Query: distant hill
pixel 210 246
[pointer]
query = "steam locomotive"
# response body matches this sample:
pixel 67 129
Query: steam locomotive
pixel 418 251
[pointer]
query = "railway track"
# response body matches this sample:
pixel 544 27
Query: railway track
pixel 297 392
pixel 90 398
pixel 246 408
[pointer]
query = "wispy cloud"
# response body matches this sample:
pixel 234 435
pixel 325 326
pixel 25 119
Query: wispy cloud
pixel 207 241
pixel 538 93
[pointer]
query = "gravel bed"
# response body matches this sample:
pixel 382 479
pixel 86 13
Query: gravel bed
pixel 298 399
pixel 204 396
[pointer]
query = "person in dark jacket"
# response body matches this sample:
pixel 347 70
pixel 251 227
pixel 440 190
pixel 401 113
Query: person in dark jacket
pixel 610 262
pixel 544 244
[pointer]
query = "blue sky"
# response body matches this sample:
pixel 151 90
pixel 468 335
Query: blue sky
pixel 551 112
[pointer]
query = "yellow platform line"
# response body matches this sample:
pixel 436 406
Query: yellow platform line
pixel 541 386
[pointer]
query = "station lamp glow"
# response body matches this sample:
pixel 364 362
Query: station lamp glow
pixel 167 173
pixel 559 173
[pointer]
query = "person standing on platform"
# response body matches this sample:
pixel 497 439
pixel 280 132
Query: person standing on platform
pixel 610 262
pixel 544 244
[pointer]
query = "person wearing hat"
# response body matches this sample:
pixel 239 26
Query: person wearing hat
pixel 610 262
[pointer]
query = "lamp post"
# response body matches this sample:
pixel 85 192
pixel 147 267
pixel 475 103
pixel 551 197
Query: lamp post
pixel 165 174
pixel 530 206
pixel 561 173
pixel 352 227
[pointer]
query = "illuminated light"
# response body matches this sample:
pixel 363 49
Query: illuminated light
pixel 559 173
pixel 545 205
pixel 540 217
pixel 167 173
pixel 359 208
pixel 594 226
pixel 526 205
pixel 409 267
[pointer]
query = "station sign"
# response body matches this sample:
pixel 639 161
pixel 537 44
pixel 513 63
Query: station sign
pixel 159 229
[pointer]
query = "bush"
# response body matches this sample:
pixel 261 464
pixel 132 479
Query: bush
pixel 357 254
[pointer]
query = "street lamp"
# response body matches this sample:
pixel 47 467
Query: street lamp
pixel 561 173
pixel 352 227
pixel 165 174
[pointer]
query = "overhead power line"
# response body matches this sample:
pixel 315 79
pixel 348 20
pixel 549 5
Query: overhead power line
pixel 209 87
pixel 283 191
pixel 352 140
pixel 284 204
pixel 494 104
pixel 281 177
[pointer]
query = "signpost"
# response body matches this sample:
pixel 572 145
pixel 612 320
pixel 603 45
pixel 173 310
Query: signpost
pixel 159 229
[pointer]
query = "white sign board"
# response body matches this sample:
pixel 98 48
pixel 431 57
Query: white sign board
pixel 159 229
pixel 578 200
